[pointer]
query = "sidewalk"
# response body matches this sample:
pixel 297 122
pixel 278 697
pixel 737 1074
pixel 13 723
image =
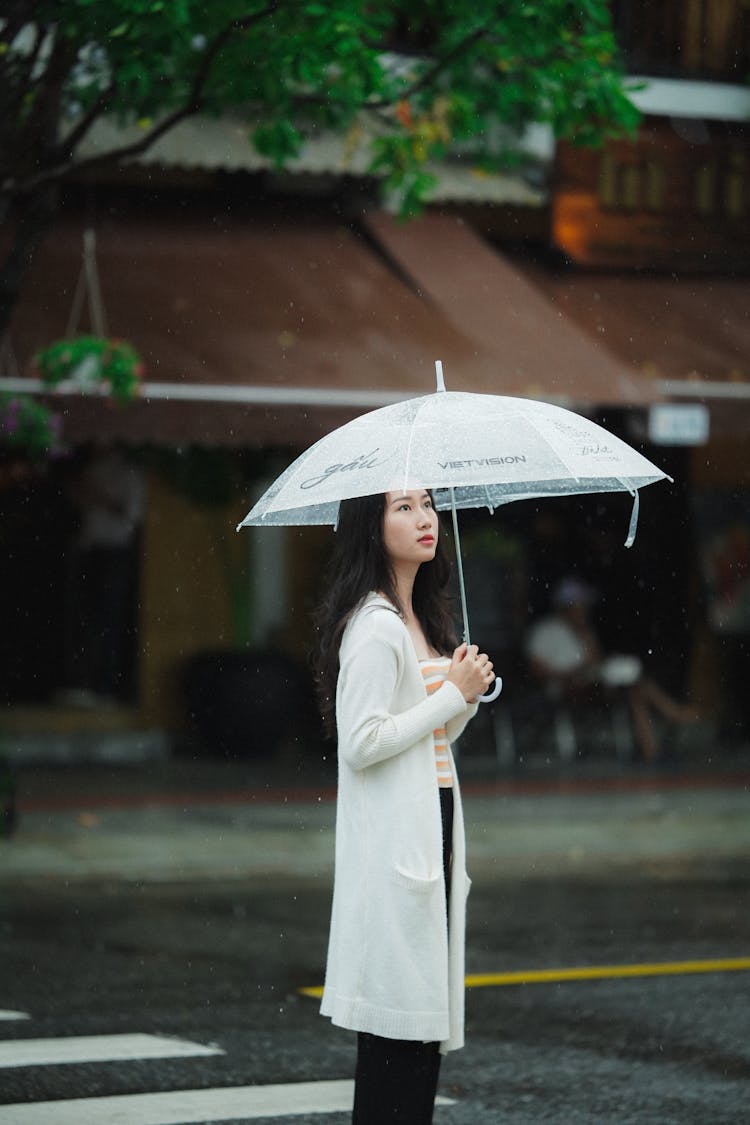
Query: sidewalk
pixel 184 819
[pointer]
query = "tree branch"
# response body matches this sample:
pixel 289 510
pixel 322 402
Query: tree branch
pixel 42 120
pixel 58 170
pixel 429 77
pixel 81 128
pixel 18 70
pixel 212 50
pixel 18 14
pixel 35 217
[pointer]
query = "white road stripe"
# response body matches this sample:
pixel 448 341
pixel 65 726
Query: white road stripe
pixel 6 1014
pixel 186 1107
pixel 97 1048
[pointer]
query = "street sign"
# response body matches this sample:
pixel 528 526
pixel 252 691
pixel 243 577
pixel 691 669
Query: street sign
pixel 672 423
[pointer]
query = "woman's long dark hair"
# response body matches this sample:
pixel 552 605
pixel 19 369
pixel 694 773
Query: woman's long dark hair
pixel 360 564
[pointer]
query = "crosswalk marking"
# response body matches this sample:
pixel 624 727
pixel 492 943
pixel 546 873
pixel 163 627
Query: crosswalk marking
pixel 7 1014
pixel 97 1048
pixel 186 1107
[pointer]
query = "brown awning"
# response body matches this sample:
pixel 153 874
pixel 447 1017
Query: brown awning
pixel 671 328
pixel 304 320
pixel 689 335
pixel 542 353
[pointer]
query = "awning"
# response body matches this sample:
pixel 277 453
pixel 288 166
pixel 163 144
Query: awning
pixel 689 333
pixel 271 329
pixel 223 143
pixel 543 353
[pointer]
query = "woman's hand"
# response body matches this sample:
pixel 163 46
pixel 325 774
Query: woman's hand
pixel 471 672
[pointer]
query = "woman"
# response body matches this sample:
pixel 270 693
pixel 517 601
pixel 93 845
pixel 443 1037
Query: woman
pixel 397 693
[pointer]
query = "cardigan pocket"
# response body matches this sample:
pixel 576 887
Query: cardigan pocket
pixel 420 883
pixel 415 947
pixel 407 960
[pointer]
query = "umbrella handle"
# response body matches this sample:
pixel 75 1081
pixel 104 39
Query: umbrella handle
pixel 494 693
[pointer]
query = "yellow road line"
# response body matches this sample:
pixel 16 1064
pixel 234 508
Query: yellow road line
pixel 607 972
pixel 592 972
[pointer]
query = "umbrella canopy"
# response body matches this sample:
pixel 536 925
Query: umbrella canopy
pixel 473 450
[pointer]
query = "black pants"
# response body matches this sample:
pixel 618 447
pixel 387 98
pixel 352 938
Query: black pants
pixel 395 1082
pixel 396 1079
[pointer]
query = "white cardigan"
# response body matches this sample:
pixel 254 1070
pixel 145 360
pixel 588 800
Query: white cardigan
pixel 394 968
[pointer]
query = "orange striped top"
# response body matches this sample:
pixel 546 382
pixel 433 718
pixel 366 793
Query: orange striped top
pixel 434 671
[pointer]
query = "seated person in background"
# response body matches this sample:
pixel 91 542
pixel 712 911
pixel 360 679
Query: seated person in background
pixel 564 652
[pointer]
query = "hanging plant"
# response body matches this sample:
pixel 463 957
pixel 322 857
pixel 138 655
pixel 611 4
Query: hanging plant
pixel 29 427
pixel 91 363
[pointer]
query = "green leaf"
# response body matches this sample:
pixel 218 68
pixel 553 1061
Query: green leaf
pixel 279 140
pixel 286 65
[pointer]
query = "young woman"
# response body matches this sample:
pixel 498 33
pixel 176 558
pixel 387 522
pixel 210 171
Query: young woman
pixel 397 692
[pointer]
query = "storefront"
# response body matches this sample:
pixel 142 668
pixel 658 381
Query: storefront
pixel 260 332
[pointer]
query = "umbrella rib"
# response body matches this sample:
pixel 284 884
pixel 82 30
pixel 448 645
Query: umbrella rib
pixel 407 461
pixel 625 487
pixel 560 456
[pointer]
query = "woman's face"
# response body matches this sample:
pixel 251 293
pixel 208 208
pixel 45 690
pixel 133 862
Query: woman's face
pixel 410 527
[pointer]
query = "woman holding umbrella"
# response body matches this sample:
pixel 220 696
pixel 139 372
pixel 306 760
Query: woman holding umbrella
pixel 397 691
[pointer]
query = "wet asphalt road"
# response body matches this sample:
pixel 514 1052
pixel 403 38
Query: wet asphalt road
pixel 221 962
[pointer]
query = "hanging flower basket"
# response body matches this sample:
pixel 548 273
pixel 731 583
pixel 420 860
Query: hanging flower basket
pixel 92 364
pixel 28 427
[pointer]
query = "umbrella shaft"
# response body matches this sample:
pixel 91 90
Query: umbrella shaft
pixel 459 562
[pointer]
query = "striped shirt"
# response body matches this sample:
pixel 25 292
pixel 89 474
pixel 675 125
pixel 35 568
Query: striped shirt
pixel 434 671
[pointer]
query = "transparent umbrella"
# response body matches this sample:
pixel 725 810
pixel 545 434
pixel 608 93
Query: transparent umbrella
pixel 471 450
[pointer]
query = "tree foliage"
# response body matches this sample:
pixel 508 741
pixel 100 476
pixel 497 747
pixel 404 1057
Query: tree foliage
pixel 422 77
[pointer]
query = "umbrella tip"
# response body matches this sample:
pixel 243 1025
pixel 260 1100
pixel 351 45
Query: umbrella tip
pixel 439 375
